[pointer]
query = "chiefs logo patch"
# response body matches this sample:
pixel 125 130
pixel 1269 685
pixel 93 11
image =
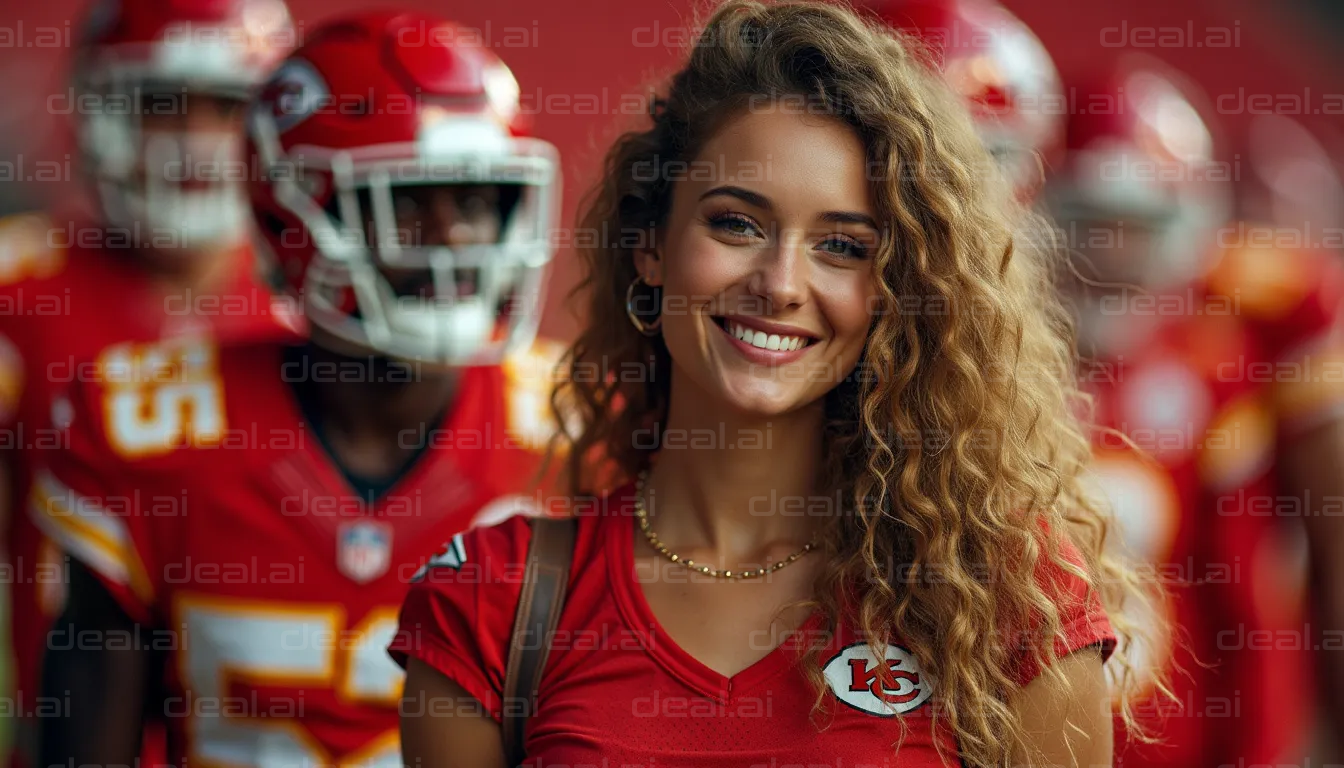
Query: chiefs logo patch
pixel 886 688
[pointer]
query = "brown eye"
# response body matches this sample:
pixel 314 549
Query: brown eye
pixel 735 225
pixel 844 246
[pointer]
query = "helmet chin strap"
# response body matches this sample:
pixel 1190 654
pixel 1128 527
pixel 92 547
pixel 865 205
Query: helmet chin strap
pixel 455 332
pixel 443 330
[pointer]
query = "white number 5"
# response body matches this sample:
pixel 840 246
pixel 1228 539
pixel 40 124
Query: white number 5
pixel 162 395
pixel 259 644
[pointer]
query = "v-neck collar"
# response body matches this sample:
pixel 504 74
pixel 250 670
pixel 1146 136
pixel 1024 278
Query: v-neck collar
pixel 451 481
pixel 638 615
pixel 449 420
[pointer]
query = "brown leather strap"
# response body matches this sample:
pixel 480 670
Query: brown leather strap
pixel 544 582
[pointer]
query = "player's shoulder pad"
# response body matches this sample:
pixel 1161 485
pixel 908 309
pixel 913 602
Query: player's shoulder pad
pixel 485 550
pixel 1270 282
pixel 530 375
pixel 1240 444
pixel 535 366
pixel 149 400
pixel 27 248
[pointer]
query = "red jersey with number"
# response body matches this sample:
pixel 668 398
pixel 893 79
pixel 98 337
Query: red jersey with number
pixel 617 690
pixel 199 495
pixel 1238 364
pixel 61 303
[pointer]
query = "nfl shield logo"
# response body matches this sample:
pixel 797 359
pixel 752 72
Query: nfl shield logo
pixel 364 550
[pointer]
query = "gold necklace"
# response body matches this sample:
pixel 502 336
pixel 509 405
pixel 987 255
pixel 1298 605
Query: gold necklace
pixel 642 515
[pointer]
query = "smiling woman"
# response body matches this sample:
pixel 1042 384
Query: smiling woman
pixel 805 177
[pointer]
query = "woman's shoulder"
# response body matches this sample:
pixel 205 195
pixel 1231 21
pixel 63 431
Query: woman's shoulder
pixel 487 548
pixel 496 554
pixel 458 614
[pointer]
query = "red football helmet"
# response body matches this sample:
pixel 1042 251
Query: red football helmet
pixel 139 61
pixel 1002 70
pixel 370 112
pixel 1141 153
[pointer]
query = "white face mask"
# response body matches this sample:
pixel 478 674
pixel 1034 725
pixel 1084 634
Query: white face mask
pixel 211 214
pixel 487 289
pixel 467 329
pixel 151 193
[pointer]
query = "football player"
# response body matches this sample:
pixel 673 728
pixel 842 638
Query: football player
pixel 999 66
pixel 1217 355
pixel 1183 338
pixel 1294 201
pixel 154 243
pixel 257 510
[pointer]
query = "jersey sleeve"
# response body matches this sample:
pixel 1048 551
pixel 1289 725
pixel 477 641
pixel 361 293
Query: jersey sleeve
pixel 102 509
pixel 26 256
pixel 458 615
pixel 1082 619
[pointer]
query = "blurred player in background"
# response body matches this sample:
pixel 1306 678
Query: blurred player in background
pixel 158 231
pixel 262 509
pixel 1003 71
pixel 1178 331
pixel 1218 355
pixel 1293 201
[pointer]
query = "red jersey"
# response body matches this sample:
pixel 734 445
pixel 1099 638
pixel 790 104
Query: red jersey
pixel 1243 360
pixel 61 303
pixel 618 691
pixel 219 522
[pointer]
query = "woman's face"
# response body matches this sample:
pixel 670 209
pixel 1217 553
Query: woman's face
pixel 766 262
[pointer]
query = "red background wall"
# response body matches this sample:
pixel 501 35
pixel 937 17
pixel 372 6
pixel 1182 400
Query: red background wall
pixel 602 49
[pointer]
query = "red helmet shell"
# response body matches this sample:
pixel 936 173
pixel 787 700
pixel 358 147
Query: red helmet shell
pixel 1140 149
pixel 1001 69
pixel 387 100
pixel 375 80
pixel 180 39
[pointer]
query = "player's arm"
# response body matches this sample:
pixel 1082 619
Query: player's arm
pixel 1313 465
pixel 100 660
pixel 1310 415
pixel 442 725
pixel 24 241
pixel 6 489
pixel 1067 725
pixel 100 678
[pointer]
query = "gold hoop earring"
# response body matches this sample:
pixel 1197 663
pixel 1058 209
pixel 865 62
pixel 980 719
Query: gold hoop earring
pixel 648 329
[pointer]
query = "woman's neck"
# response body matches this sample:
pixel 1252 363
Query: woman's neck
pixel 736 483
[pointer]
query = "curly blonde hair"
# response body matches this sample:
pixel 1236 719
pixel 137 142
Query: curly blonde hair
pixel 957 440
